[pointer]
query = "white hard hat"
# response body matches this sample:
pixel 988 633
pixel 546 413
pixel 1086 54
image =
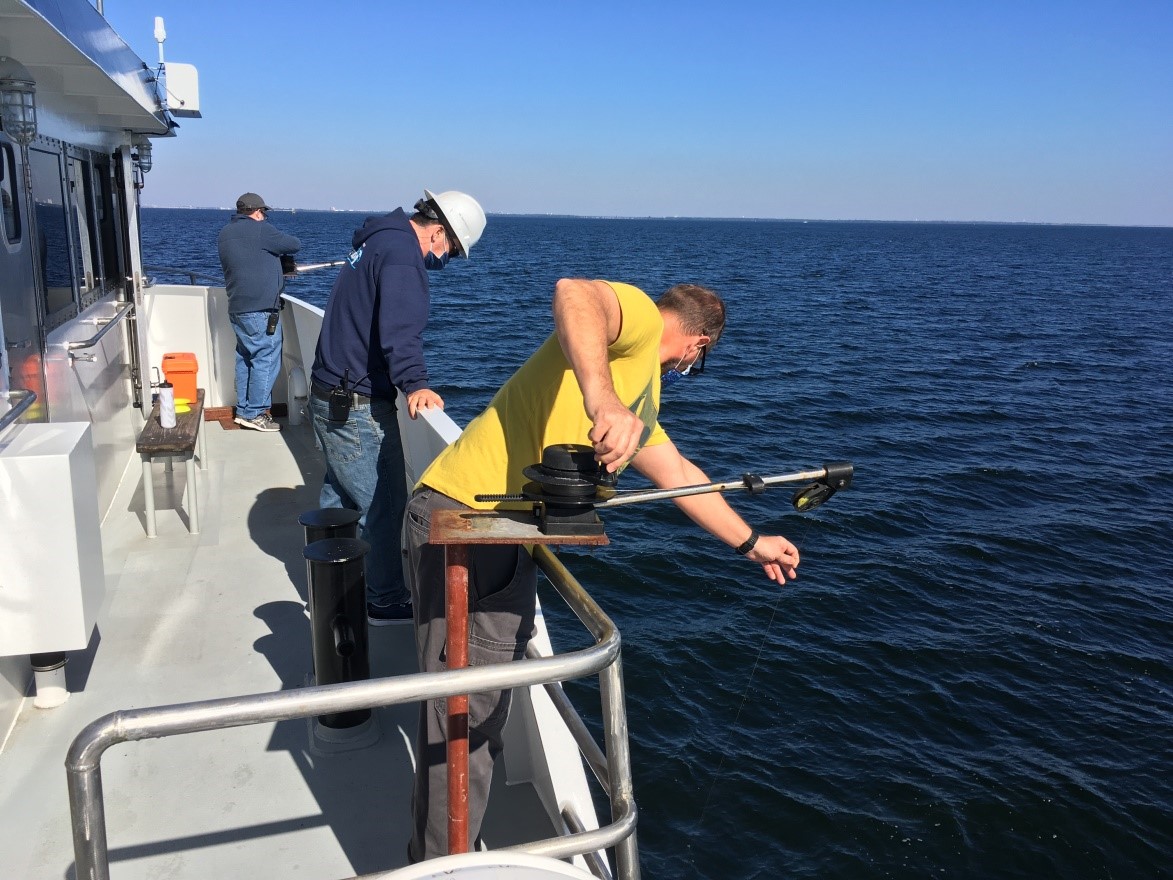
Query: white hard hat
pixel 462 214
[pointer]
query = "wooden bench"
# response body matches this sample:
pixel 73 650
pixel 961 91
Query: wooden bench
pixel 155 441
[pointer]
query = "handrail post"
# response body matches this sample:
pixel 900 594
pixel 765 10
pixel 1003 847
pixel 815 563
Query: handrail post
pixel 91 859
pixel 86 803
pixel 619 764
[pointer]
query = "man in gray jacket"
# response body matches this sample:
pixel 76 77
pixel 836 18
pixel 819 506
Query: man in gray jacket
pixel 250 253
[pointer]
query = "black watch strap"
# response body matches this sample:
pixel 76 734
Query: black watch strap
pixel 750 542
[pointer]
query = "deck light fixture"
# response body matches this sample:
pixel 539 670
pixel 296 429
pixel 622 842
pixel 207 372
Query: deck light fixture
pixel 18 101
pixel 142 148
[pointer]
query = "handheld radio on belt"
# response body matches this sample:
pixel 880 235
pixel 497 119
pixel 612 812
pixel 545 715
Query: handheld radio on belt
pixel 288 270
pixel 340 399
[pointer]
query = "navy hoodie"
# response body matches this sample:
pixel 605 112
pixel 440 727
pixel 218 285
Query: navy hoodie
pixel 377 313
pixel 250 252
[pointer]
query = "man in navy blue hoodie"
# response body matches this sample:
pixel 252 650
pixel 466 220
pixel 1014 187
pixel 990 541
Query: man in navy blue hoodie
pixel 369 351
pixel 250 253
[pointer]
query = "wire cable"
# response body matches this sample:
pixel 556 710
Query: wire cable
pixel 745 694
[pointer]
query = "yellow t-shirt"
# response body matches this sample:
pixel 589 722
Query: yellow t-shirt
pixel 541 405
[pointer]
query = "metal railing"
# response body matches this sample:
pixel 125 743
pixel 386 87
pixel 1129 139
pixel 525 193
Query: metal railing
pixel 24 399
pixel 83 763
pixel 192 276
pixel 107 324
pixel 596 863
pixel 591 752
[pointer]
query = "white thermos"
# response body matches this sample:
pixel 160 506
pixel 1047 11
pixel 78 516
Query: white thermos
pixel 166 405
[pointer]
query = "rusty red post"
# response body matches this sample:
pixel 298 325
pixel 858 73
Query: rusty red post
pixel 456 597
pixel 457 531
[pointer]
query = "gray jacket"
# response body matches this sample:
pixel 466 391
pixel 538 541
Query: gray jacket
pixel 250 253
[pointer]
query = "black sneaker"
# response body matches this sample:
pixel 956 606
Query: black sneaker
pixel 263 422
pixel 387 615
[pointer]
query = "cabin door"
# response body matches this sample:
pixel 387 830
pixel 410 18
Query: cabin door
pixel 24 342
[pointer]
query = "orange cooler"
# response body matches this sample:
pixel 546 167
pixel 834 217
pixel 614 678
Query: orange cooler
pixel 180 368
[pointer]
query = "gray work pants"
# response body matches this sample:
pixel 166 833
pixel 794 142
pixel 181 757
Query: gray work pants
pixel 502 582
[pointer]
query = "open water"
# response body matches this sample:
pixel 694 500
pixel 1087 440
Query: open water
pixel 973 674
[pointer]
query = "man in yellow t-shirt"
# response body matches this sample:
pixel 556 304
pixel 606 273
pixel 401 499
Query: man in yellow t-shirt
pixel 597 379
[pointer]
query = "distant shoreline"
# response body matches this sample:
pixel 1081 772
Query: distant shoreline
pixel 791 220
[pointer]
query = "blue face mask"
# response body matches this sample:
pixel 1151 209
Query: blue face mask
pixel 672 377
pixel 434 263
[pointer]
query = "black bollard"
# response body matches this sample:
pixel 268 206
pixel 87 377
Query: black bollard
pixel 338 618
pixel 329 522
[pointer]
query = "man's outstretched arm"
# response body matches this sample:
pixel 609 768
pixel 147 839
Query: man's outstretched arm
pixel 668 469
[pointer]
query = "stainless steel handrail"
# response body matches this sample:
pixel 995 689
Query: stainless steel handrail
pixel 24 401
pixel 71 347
pixel 619 788
pixel 192 276
pixel 83 762
pixel 591 752
pixel 597 863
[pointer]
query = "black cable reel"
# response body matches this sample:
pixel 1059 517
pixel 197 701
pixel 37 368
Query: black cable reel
pixel 564 489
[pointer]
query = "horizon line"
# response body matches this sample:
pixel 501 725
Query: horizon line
pixel 560 215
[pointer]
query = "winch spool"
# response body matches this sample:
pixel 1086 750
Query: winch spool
pixel 564 490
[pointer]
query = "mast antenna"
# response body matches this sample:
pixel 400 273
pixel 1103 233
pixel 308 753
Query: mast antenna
pixel 160 36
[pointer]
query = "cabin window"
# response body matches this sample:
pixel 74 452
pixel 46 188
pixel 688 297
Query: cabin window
pixel 53 235
pixel 10 210
pixel 107 217
pixel 86 257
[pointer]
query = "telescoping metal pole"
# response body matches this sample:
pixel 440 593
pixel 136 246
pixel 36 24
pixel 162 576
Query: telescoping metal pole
pixel 309 267
pixel 821 485
pixel 837 474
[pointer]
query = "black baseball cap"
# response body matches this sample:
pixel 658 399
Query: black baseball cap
pixel 250 202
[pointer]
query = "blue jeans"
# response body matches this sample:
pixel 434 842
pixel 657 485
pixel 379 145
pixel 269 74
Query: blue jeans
pixel 258 361
pixel 364 472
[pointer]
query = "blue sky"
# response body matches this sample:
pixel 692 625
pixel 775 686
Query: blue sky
pixel 1004 111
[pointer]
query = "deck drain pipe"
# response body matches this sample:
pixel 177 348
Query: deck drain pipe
pixel 338 618
pixel 329 522
pixel 49 680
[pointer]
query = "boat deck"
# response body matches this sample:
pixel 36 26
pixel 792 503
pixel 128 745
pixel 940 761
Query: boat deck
pixel 223 613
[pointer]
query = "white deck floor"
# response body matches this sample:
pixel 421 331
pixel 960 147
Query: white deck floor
pixel 192 617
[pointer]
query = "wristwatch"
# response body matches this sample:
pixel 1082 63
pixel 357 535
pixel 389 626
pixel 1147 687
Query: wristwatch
pixel 750 542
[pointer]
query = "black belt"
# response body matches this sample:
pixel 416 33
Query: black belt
pixel 356 399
